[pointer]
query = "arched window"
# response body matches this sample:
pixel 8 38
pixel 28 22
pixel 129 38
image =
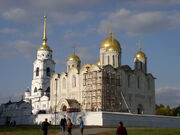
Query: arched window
pixel 48 89
pixel 48 71
pixel 35 89
pixel 73 81
pixel 140 109
pixel 64 83
pixel 37 71
pixel 113 61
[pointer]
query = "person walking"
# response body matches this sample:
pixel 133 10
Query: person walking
pixel 45 126
pixel 69 126
pixel 121 130
pixel 81 125
pixel 63 124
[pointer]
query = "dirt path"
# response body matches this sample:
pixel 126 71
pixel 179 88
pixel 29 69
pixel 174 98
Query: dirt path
pixel 88 131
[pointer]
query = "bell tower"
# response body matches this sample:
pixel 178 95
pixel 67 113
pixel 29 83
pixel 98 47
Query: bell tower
pixel 44 67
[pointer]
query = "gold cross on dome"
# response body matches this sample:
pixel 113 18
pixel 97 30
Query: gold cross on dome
pixel 139 43
pixel 73 49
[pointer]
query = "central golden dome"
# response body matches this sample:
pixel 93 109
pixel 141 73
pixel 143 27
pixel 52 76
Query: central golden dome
pixel 111 44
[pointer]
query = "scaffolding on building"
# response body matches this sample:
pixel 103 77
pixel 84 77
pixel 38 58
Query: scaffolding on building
pixel 102 92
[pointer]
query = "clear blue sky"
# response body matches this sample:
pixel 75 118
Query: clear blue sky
pixel 85 23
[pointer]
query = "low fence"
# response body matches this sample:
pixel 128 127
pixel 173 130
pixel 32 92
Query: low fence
pixel 103 119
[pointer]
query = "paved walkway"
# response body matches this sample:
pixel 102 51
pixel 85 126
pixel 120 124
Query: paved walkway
pixel 89 131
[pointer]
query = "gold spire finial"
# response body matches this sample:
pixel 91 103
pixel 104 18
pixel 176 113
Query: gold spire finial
pixel 139 43
pixel 44 36
pixel 110 29
pixel 74 49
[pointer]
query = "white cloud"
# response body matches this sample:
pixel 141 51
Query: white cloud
pixel 85 55
pixel 168 96
pixel 69 34
pixel 27 49
pixel 69 18
pixel 16 14
pixel 140 23
pixel 9 30
pixel 6 51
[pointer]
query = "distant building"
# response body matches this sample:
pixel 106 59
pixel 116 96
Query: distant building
pixel 14 111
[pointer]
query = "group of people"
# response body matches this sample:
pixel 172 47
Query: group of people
pixel 64 124
pixel 121 130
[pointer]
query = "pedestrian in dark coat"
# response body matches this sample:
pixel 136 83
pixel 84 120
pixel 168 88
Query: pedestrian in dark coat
pixel 121 130
pixel 45 126
pixel 63 124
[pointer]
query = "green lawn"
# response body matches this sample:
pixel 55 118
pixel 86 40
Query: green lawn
pixel 35 130
pixel 26 130
pixel 146 131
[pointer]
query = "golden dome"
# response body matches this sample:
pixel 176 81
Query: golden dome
pixel 111 43
pixel 74 56
pixel 98 63
pixel 44 47
pixel 112 48
pixel 140 54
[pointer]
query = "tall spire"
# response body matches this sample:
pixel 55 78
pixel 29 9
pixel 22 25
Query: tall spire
pixel 44 36
pixel 44 45
pixel 73 49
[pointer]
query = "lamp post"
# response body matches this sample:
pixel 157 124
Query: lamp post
pixel 56 100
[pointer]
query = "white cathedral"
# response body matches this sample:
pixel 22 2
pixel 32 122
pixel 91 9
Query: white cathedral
pixel 105 86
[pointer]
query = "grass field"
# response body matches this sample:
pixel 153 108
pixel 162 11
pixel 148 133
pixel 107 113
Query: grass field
pixel 35 130
pixel 146 131
pixel 26 130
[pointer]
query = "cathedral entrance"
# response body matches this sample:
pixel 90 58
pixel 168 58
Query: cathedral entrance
pixel 68 105
pixel 64 108
pixel 140 109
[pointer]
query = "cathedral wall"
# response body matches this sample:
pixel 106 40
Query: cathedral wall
pixel 138 90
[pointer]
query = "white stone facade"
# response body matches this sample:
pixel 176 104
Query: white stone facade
pixel 108 86
pixel 40 89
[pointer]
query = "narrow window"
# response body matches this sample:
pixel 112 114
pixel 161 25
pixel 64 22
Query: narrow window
pixel 141 65
pixel 37 71
pixel 73 81
pixel 108 59
pixel 138 82
pixel 128 81
pixel 113 61
pixel 148 83
pixel 35 89
pixel 102 58
pixel 64 83
pixel 48 71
